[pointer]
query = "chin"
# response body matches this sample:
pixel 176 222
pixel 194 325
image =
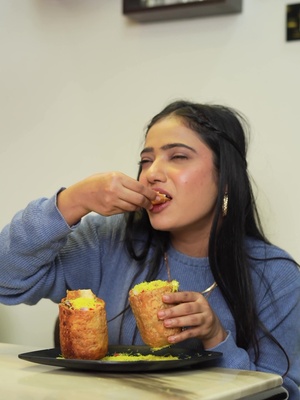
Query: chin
pixel 161 225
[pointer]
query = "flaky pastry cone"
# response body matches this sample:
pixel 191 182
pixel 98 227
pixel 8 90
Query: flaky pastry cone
pixel 83 326
pixel 146 300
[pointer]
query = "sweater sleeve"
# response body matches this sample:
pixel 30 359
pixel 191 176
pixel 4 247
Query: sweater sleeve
pixel 29 247
pixel 279 311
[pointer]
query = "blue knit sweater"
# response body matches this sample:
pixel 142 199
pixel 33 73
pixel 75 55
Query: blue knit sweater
pixel 41 257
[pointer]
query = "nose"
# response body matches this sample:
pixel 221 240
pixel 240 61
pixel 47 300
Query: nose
pixel 156 172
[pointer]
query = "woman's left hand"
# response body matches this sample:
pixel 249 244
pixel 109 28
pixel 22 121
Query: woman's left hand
pixel 192 312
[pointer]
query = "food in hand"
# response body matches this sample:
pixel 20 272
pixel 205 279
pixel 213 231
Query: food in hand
pixel 83 326
pixel 163 198
pixel 146 300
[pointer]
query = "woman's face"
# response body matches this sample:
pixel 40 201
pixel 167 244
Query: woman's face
pixel 176 162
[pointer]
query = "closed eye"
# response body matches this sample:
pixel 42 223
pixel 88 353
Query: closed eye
pixel 144 161
pixel 179 157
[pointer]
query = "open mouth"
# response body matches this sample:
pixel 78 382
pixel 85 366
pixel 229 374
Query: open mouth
pixel 163 198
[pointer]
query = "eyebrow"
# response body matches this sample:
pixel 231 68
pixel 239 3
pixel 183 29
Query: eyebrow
pixel 167 147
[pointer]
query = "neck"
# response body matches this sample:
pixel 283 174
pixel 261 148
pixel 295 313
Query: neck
pixel 191 245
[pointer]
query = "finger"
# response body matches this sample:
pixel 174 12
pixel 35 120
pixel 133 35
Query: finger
pixel 180 310
pixel 120 208
pixel 117 182
pixel 134 200
pixel 184 321
pixel 185 334
pixel 181 297
pixel 138 187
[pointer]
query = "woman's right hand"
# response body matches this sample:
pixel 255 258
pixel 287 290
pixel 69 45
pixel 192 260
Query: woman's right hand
pixel 106 194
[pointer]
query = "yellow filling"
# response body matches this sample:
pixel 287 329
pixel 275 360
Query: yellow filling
pixel 146 286
pixel 138 357
pixel 83 302
pixel 117 357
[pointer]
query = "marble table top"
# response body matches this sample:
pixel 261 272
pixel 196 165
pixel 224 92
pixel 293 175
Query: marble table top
pixel 23 380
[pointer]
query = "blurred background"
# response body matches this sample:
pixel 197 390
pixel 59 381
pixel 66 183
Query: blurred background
pixel 79 81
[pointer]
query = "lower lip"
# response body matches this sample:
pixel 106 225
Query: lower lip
pixel 159 207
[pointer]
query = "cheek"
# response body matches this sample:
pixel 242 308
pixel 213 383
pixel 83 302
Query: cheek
pixel 197 183
pixel 190 179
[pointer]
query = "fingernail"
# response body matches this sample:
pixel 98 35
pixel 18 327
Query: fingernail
pixel 172 339
pixel 161 314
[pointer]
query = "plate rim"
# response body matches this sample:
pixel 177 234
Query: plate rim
pixel 192 357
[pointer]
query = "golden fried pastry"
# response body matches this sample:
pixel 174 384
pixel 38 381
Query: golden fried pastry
pixel 83 326
pixel 145 301
pixel 163 199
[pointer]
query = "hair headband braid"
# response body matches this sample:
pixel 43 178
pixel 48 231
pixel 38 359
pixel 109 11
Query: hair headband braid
pixel 224 135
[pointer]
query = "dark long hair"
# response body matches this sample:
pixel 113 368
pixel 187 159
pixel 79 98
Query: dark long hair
pixel 223 130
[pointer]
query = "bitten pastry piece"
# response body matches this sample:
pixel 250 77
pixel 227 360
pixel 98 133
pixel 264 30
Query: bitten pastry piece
pixel 163 198
pixel 145 301
pixel 83 326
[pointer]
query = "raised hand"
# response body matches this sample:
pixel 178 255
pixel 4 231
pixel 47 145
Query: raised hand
pixel 106 194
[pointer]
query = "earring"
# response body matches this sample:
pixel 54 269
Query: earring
pixel 225 205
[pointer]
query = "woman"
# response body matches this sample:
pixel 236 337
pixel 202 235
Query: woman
pixel 205 234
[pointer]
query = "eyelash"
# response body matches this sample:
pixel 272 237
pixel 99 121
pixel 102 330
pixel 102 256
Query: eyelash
pixel 178 157
pixel 141 162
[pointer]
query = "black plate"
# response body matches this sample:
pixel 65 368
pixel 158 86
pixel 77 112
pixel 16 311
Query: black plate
pixel 186 358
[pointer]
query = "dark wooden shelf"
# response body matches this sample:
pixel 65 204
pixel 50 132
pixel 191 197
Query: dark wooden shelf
pixel 135 9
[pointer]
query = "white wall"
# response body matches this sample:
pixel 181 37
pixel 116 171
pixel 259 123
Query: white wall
pixel 79 83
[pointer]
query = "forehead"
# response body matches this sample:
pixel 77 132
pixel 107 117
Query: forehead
pixel 169 130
